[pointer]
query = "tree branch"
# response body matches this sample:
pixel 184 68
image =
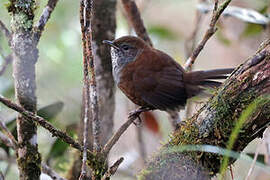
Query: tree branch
pixel 42 122
pixel 12 143
pixel 134 115
pixel 85 18
pixel 7 61
pixel 25 56
pixel 50 172
pixel 9 134
pixel 47 11
pixel 214 122
pixel 7 141
pixel 136 20
pixel 5 30
pixel 208 34
pixel 111 171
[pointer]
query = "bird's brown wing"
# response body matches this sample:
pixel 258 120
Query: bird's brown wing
pixel 160 82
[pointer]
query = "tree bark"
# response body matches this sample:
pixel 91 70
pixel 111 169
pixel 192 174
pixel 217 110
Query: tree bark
pixel 25 55
pixel 103 21
pixel 214 122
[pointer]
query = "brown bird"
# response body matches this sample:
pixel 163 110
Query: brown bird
pixel 153 80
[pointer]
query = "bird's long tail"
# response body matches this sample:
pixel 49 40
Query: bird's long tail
pixel 197 81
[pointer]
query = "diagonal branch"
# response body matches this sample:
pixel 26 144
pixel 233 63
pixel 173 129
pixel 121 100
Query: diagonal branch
pixel 7 61
pixel 49 171
pixel 132 117
pixel 111 171
pixel 208 34
pixel 42 122
pixel 12 143
pixel 5 30
pixel 47 11
pixel 7 141
pixel 9 134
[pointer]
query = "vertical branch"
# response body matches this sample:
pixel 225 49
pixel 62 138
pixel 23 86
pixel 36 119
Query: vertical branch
pixel 89 83
pixel 136 20
pixel 86 90
pixel 93 84
pixel 104 21
pixel 25 55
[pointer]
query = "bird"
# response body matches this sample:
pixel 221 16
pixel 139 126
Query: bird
pixel 153 80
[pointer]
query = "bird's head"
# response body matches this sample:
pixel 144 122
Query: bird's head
pixel 125 50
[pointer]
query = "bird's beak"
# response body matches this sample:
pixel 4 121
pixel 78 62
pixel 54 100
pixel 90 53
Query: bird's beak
pixel 111 44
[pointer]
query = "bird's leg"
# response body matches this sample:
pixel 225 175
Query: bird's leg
pixel 136 115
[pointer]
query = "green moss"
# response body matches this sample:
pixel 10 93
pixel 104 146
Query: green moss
pixel 31 164
pixel 21 21
pixel 22 12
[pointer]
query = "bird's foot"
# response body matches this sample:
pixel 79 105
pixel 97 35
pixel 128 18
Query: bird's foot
pixel 136 115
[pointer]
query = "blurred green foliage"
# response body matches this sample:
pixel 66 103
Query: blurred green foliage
pixel 161 32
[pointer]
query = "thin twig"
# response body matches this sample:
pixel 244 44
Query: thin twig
pixel 8 133
pixel 210 31
pixel 45 124
pixel 134 115
pixel 259 146
pixel 12 143
pixel 7 61
pixel 5 30
pixel 190 44
pixel 87 50
pixel 7 141
pixel 111 171
pixel 136 20
pixel 85 19
pixel 47 11
pixel 50 172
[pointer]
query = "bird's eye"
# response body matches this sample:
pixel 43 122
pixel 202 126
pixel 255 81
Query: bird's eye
pixel 125 47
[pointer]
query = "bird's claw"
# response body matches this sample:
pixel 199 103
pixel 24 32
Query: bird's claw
pixel 138 121
pixel 136 115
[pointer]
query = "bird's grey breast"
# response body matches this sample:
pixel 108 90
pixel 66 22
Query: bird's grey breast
pixel 117 63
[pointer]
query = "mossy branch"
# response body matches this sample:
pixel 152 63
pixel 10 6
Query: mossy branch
pixel 214 122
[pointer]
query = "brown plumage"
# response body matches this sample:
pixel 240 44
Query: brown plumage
pixel 152 79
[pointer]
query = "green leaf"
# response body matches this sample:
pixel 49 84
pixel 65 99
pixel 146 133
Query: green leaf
pixel 50 111
pixel 58 149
